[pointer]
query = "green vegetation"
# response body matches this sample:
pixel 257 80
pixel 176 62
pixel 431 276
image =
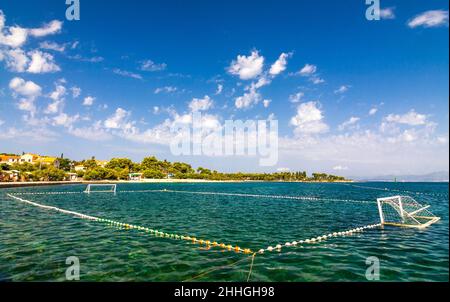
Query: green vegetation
pixel 150 167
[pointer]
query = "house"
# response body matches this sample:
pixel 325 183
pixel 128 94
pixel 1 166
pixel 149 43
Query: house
pixel 135 176
pixel 9 159
pixel 46 160
pixel 80 168
pixel 29 158
pixel 72 176
pixel 101 163
pixel 12 175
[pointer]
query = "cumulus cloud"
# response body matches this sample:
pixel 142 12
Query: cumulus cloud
pixel 42 62
pixel 247 67
pixel 219 89
pixel 411 118
pixel 280 65
pixel 149 65
pixel 308 70
pixel 128 74
pixel 88 101
pixel 65 120
pixel 296 98
pixel 50 28
pixel 76 91
pixel 117 120
pixel 342 89
pixel 58 99
pixel 349 124
pixel 373 111
pixel 309 119
pixel 201 104
pixel 248 99
pixel 432 18
pixel 27 92
pixel 16 36
pixel 52 46
pixel 16 60
pixel 266 103
pixel 387 13
pixel 165 89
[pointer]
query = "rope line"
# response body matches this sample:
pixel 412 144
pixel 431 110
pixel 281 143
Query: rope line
pixel 395 190
pixel 313 240
pixel 305 198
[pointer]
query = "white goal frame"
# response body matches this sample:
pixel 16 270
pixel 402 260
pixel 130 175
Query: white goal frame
pixel 90 186
pixel 404 211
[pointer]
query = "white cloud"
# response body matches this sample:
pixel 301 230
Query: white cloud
pixel 387 13
pixel 94 132
pixel 432 18
pixel 266 103
pixel 80 58
pixel 76 91
pixel 28 91
pixel 166 89
pixel 317 80
pixel 128 74
pixel 88 101
pixel 280 65
pixel 342 89
pixel 296 98
pixel 65 120
pixel 13 36
pixel 247 67
pixel 25 88
pixel 308 70
pixel 340 168
pixel 309 119
pixel 58 100
pixel 50 28
pixel 52 46
pixel 42 62
pixel 373 111
pixel 117 120
pixel 16 36
pixel 348 124
pixel 411 118
pixel 219 89
pixel 16 59
pixel 248 99
pixel 149 65
pixel 201 104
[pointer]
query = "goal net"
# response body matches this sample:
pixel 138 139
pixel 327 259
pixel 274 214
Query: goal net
pixel 101 188
pixel 404 211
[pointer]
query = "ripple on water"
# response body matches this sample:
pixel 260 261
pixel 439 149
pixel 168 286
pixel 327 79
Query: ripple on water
pixel 35 243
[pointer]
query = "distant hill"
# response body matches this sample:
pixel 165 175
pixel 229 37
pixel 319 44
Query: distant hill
pixel 431 177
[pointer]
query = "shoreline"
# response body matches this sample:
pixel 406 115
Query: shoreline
pixel 4 185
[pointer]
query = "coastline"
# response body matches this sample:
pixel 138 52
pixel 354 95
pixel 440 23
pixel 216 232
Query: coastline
pixel 4 185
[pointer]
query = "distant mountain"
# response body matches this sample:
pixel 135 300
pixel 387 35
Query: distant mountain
pixel 431 177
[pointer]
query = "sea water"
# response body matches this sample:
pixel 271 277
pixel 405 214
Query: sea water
pixel 35 243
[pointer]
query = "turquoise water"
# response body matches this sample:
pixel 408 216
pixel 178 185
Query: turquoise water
pixel 34 243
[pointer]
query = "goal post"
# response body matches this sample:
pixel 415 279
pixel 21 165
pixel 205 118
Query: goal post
pixel 101 188
pixel 404 211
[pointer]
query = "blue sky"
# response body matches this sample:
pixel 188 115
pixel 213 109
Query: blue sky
pixel 352 96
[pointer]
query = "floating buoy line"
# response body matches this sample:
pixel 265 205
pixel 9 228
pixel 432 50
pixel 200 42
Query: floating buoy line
pixel 208 244
pixel 304 198
pixel 394 190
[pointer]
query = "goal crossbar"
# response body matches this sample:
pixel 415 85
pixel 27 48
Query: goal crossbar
pixel 91 188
